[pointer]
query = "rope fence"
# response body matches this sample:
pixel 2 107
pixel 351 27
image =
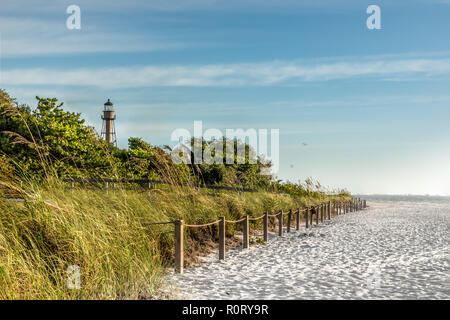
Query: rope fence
pixel 201 225
pixel 320 212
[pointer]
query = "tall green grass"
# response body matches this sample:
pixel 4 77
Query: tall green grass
pixel 101 232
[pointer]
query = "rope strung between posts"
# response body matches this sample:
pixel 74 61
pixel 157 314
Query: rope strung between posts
pixel 254 219
pixel 242 219
pixel 235 221
pixel 275 215
pixel 201 225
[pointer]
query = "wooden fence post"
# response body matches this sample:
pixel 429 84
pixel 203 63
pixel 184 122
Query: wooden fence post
pixel 280 224
pixel 179 245
pixel 222 238
pixel 364 204
pixel 266 226
pixel 329 210
pixel 317 215
pixel 322 209
pixel 306 217
pixel 245 232
pixel 289 220
pixel 297 219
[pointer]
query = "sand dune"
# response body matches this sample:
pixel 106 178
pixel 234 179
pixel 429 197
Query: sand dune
pixel 392 250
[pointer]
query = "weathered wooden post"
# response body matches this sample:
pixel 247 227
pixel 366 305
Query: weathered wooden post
pixel 289 220
pixel 280 223
pixel 306 217
pixel 364 204
pixel 297 219
pixel 329 210
pixel 245 230
pixel 179 245
pixel 322 209
pixel 317 215
pixel 222 238
pixel 266 226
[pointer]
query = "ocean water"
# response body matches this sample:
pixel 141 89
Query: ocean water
pixel 405 198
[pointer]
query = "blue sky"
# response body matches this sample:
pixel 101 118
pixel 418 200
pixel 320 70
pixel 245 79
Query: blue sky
pixel 372 106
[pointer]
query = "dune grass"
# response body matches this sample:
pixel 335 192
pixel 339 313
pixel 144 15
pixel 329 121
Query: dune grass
pixel 101 232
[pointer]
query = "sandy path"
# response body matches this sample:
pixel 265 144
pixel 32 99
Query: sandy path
pixel 393 250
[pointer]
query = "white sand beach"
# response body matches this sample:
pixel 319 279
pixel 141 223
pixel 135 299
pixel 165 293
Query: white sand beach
pixel 391 250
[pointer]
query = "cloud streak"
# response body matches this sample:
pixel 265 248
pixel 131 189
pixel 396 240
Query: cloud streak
pixel 227 75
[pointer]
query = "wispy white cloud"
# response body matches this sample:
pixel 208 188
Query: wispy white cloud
pixel 37 37
pixel 37 28
pixel 227 75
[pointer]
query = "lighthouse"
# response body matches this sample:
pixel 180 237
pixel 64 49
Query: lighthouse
pixel 108 128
